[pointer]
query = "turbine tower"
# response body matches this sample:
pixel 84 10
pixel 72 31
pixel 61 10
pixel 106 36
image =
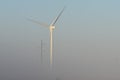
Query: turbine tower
pixel 51 28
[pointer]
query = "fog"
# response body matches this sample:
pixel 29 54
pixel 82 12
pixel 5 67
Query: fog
pixel 85 47
pixel 85 60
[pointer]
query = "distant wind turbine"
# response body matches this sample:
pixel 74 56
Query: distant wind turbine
pixel 51 28
pixel 41 51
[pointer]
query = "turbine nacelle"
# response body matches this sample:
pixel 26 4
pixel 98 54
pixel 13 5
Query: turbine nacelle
pixel 52 28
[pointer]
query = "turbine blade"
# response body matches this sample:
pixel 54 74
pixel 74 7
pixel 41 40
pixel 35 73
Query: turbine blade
pixel 53 23
pixel 40 23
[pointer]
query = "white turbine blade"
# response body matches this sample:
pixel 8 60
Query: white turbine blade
pixel 40 23
pixel 53 23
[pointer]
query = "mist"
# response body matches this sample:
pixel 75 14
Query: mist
pixel 85 46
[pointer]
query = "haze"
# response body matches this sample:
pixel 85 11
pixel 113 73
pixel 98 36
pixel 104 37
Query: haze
pixel 86 40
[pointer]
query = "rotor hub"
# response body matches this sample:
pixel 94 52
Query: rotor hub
pixel 52 27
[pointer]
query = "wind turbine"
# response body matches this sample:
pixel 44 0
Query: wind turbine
pixel 41 51
pixel 51 28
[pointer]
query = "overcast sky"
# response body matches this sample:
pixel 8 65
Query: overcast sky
pixel 86 40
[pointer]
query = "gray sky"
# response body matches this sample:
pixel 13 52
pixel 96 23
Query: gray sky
pixel 86 40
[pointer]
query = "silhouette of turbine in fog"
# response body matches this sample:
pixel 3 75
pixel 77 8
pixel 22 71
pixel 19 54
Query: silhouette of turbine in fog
pixel 51 28
pixel 41 51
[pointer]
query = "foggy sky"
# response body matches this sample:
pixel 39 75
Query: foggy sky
pixel 86 40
